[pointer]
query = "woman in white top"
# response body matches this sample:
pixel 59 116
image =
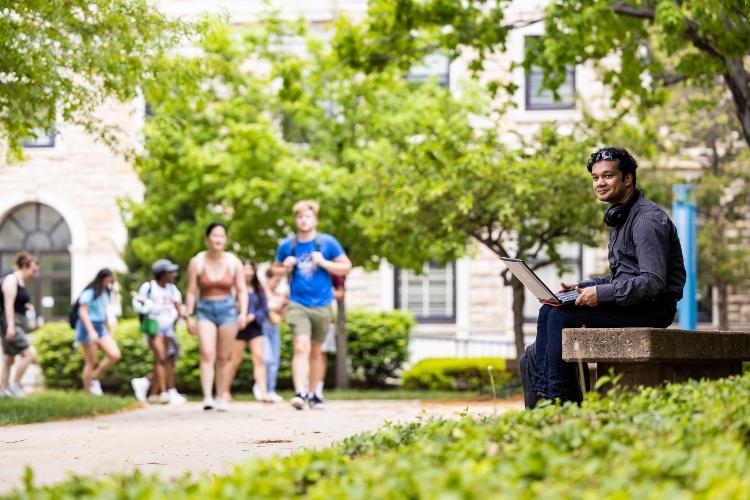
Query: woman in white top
pixel 159 302
pixel 215 278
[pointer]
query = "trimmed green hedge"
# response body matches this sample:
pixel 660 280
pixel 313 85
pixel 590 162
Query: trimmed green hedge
pixel 681 441
pixel 462 374
pixel 378 346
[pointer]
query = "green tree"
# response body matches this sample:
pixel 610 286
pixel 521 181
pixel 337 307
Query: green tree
pixel 60 59
pixel 439 185
pixel 656 43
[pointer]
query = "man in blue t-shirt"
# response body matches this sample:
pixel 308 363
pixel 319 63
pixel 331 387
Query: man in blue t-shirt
pixel 308 260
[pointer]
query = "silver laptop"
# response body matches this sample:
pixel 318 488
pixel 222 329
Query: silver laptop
pixel 531 281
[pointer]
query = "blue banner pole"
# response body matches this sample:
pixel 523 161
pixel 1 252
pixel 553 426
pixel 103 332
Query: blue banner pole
pixel 684 212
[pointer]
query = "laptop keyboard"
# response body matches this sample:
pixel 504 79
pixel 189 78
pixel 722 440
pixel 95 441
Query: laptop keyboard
pixel 568 296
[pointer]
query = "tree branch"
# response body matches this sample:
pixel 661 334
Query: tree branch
pixel 632 11
pixel 670 78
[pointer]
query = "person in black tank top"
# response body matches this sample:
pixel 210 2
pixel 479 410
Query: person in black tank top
pixel 15 301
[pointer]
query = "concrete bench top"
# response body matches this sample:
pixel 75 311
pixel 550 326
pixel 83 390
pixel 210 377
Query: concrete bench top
pixel 629 345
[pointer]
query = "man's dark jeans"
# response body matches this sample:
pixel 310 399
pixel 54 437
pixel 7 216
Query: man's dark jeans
pixel 555 378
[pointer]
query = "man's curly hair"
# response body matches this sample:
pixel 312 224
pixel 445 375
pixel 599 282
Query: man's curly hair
pixel 625 162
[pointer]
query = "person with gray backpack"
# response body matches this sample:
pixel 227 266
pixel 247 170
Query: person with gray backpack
pixel 309 259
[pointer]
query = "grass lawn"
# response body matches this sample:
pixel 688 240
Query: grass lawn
pixel 58 405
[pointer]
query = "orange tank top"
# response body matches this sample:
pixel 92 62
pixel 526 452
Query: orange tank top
pixel 214 289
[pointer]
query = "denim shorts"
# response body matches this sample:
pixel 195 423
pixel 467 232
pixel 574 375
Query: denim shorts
pixel 222 312
pixel 82 336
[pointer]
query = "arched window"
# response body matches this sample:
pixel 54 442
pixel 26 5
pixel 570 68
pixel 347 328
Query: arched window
pixel 41 230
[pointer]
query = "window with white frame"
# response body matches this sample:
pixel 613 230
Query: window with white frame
pixel 435 65
pixel 41 139
pixel 540 99
pixel 430 296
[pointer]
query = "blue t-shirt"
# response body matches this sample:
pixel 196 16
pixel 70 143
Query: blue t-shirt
pixel 98 306
pixel 311 285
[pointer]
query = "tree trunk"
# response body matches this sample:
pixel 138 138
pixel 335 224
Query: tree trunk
pixel 722 304
pixel 519 296
pixel 342 346
pixel 736 78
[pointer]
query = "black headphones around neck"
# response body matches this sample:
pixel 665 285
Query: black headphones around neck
pixel 617 213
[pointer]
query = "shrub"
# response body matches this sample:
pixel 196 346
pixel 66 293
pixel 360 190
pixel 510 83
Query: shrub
pixel 681 441
pixel 377 347
pixel 461 374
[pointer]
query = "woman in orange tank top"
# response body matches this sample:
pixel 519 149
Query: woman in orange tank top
pixel 215 278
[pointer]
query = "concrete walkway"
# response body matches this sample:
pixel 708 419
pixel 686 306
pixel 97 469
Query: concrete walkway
pixel 173 440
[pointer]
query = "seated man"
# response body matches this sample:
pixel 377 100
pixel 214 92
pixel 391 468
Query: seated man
pixel 646 280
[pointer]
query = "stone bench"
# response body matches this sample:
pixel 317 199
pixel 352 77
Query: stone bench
pixel 650 356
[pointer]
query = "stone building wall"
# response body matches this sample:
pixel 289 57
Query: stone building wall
pixel 83 180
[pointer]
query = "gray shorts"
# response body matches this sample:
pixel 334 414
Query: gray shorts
pixel 19 342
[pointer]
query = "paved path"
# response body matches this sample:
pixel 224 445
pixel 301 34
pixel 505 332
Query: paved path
pixel 173 440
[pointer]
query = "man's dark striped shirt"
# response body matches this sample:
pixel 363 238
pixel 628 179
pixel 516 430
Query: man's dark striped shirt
pixel 645 258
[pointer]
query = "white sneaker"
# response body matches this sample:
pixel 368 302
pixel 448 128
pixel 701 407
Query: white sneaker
pixel 164 397
pixel 256 392
pixel 140 387
pixel 175 398
pixel 275 398
pixel 221 404
pixel 5 393
pixel 208 403
pixel 16 391
pixel 298 401
pixel 96 388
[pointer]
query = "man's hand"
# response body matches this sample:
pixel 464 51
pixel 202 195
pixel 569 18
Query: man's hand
pixel 290 262
pixel 566 287
pixel 588 297
pixel 318 258
pixel 241 322
pixel 250 318
pixel 10 333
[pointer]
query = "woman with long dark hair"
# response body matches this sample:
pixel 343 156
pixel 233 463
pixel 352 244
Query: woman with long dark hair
pixel 93 331
pixel 252 334
pixel 215 278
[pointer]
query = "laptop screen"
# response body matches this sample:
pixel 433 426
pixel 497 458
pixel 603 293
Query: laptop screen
pixel 530 280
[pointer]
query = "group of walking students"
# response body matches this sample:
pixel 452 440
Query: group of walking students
pixel 226 307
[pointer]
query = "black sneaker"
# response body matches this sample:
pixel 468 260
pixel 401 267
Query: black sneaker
pixel 298 401
pixel 315 402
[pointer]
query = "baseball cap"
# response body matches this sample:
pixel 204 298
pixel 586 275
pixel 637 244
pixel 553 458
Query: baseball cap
pixel 164 266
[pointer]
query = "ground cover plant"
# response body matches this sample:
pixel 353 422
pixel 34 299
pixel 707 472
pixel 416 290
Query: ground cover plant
pixel 682 441
pixel 58 405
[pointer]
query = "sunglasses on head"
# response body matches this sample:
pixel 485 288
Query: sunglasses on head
pixel 605 154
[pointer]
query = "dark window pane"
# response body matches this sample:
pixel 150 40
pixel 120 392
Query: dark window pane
pixel 11 236
pixel 537 99
pixel 43 139
pixel 37 240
